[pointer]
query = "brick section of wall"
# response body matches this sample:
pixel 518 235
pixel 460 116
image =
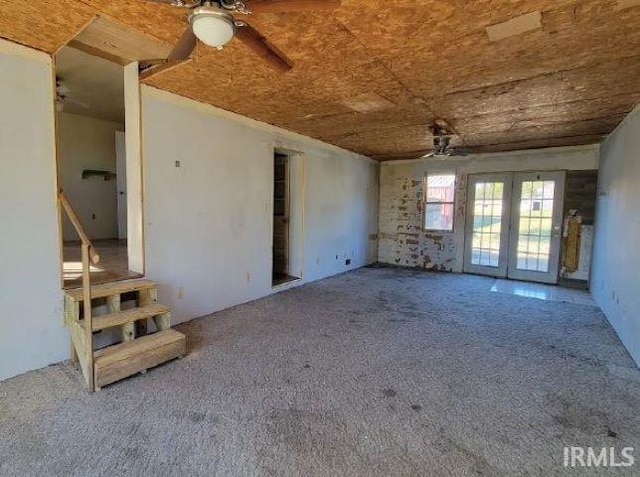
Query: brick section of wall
pixel 402 241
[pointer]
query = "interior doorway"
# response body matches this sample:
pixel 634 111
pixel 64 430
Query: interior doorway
pixel 514 225
pixel 287 217
pixel 280 219
pixel 92 163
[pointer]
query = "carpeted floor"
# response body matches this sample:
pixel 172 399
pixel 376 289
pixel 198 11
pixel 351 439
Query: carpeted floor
pixel 377 372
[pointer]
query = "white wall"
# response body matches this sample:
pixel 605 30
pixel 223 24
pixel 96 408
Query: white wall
pixel 31 330
pixel 88 143
pixel 402 241
pixel 208 222
pixel 615 278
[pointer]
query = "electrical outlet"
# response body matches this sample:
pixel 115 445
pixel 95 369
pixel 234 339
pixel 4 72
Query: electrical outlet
pixel 180 293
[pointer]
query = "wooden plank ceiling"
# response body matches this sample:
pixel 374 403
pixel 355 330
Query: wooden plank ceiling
pixel 373 76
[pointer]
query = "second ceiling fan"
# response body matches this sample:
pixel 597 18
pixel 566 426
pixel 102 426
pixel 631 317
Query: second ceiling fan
pixel 215 23
pixel 442 142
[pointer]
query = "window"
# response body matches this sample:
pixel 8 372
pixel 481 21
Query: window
pixel 439 201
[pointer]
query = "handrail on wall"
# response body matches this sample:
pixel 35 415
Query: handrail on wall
pixel 88 254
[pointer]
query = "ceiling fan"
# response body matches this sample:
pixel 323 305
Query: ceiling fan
pixel 215 23
pixel 442 146
pixel 62 96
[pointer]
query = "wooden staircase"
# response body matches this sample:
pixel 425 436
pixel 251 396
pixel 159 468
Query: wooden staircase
pixel 137 350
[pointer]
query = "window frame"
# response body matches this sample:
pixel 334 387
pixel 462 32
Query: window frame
pixel 425 191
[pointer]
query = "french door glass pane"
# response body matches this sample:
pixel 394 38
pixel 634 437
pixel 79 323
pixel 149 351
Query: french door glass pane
pixel 487 224
pixel 535 225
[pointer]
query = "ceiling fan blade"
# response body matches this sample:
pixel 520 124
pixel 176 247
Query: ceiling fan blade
pixel 263 48
pixel 181 53
pixel 152 62
pixel 282 6
pixel 185 46
pixel 152 71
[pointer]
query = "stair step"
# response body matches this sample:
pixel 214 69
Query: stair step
pixel 125 359
pixel 127 316
pixel 112 288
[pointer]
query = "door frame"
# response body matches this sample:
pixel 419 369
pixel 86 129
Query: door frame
pixel 502 269
pixel 553 274
pixel 283 220
pixel 134 165
pixel 297 211
pixel 121 183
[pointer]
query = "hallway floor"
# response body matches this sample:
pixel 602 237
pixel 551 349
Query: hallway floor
pixel 377 372
pixel 113 263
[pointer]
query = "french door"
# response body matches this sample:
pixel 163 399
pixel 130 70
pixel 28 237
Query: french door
pixel 487 230
pixel 514 225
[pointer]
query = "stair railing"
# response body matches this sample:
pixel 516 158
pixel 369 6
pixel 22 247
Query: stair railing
pixel 89 256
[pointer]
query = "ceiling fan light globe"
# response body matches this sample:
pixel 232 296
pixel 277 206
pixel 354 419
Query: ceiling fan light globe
pixel 212 26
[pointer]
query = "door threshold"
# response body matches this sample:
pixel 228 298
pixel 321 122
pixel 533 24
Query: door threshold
pixel 282 280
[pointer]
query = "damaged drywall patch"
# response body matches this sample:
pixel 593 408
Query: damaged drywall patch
pixel 368 102
pixel 624 4
pixel 515 26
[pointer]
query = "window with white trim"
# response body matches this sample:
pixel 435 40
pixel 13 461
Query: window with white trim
pixel 439 190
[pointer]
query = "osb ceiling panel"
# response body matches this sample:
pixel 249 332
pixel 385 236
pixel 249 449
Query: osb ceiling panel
pixel 374 75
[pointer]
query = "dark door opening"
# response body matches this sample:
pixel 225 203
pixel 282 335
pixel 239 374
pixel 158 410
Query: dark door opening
pixel 281 220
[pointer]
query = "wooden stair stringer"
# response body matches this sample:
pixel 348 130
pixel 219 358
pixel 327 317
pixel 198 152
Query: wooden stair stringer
pixel 78 342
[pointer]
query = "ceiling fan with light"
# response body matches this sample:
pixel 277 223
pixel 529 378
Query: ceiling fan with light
pixel 442 146
pixel 216 23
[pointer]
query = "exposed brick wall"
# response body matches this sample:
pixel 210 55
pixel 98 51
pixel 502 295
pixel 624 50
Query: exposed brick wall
pixel 402 241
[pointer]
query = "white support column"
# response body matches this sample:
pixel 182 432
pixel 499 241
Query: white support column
pixel 135 190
